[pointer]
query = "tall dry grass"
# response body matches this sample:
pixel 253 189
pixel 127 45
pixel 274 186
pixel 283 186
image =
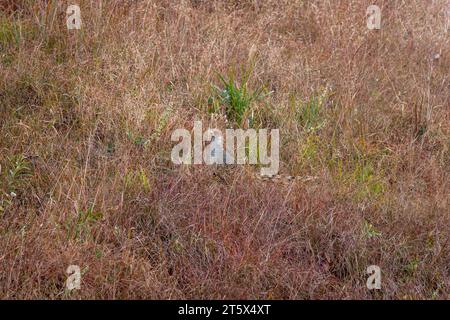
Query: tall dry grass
pixel 86 177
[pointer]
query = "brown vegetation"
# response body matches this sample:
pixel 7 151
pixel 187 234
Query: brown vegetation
pixel 85 171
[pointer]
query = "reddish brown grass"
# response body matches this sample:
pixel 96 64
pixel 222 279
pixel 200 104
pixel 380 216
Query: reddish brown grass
pixel 76 106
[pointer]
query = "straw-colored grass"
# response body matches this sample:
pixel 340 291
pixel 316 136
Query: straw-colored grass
pixel 86 179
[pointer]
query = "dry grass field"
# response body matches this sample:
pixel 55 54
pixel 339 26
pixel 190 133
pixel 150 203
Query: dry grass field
pixel 86 179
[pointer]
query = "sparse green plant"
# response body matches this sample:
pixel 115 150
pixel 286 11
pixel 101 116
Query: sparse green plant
pixel 412 266
pixel 89 215
pixel 370 231
pixel 16 176
pixel 311 113
pixel 79 228
pixel 10 33
pixel 137 179
pixel 144 180
pixel 162 123
pixel 137 139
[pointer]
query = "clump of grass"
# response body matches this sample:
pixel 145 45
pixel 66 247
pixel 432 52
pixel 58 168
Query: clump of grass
pixel 360 176
pixel 80 228
pixel 370 231
pixel 237 97
pixel 309 152
pixel 13 33
pixel 137 139
pixel 137 179
pixel 162 124
pixel 311 113
pixel 16 176
pixel 18 173
pixel 10 33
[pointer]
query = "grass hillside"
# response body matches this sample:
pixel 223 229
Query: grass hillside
pixel 86 179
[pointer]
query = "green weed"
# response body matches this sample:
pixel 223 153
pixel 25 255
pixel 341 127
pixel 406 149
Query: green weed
pixel 80 227
pixel 236 97
pixel 13 180
pixel 311 113
pixel 370 231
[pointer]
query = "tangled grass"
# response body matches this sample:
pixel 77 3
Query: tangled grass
pixel 86 177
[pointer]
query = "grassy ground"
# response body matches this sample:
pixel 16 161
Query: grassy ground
pixel 86 178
